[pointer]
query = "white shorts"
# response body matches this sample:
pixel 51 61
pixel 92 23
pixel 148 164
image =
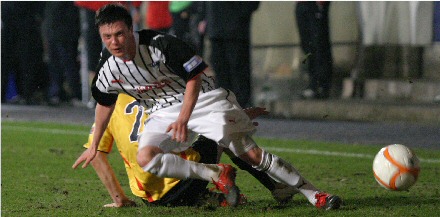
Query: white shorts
pixel 216 116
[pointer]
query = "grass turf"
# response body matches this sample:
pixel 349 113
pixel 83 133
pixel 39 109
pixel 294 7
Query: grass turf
pixel 37 179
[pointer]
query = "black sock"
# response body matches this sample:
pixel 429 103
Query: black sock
pixel 262 177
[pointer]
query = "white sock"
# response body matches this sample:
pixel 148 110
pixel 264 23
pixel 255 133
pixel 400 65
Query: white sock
pixel 284 172
pixel 173 166
pixel 309 191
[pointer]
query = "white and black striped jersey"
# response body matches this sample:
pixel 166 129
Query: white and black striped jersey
pixel 156 77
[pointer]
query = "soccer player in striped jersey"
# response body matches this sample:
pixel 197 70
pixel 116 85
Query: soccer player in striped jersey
pixel 166 76
pixel 123 129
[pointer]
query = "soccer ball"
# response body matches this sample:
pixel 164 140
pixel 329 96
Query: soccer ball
pixel 396 167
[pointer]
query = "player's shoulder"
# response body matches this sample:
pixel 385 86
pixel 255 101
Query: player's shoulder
pixel 155 38
pixel 105 55
pixel 147 35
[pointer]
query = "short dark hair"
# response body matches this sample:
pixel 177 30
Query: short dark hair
pixel 112 13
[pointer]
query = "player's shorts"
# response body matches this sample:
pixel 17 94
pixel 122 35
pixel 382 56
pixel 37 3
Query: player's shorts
pixel 216 116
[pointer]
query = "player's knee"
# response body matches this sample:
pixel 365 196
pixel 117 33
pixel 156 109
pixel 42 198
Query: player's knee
pixel 142 160
pixel 146 154
pixel 253 156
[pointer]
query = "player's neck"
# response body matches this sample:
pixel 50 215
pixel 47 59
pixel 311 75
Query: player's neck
pixel 131 51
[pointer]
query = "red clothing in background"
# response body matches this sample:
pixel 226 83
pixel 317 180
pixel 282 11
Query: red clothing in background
pixel 96 5
pixel 158 15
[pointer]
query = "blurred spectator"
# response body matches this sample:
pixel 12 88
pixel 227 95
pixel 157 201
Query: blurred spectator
pixel 228 28
pixel 437 21
pixel 90 33
pixel 91 39
pixel 198 26
pixel 313 27
pixel 188 23
pixel 158 16
pixel 22 49
pixel 62 28
pixel 181 12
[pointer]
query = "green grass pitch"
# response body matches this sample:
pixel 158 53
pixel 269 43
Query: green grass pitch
pixel 37 179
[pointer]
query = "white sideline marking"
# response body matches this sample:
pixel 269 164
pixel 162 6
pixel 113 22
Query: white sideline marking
pixel 290 150
pixel 318 152
pixel 46 130
pixel 338 154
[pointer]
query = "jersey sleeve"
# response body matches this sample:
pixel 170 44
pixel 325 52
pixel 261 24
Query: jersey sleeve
pixel 102 98
pixel 105 99
pixel 178 56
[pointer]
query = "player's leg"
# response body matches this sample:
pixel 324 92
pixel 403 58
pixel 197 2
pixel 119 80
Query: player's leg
pixel 191 192
pixel 262 177
pixel 280 192
pixel 169 165
pixel 283 172
pixel 154 160
pixel 158 160
pixel 210 153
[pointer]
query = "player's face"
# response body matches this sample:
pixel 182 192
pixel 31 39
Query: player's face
pixel 118 39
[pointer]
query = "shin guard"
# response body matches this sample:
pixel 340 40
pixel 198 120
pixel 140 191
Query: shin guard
pixel 279 170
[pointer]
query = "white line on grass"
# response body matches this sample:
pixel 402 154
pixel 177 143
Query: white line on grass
pixel 46 130
pixel 318 152
pixel 290 150
pixel 338 154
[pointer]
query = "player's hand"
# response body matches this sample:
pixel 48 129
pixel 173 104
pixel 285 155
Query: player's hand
pixel 201 27
pixel 125 203
pixel 86 157
pixel 253 113
pixel 179 130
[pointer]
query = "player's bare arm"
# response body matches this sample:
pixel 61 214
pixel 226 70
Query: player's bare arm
pixel 102 117
pixel 180 126
pixel 108 178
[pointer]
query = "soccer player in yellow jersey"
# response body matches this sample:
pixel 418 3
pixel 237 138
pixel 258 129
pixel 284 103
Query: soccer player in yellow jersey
pixel 125 124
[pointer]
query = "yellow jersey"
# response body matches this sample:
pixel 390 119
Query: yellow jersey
pixel 126 123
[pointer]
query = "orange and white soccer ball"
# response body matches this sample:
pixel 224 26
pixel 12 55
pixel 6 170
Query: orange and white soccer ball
pixel 396 167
